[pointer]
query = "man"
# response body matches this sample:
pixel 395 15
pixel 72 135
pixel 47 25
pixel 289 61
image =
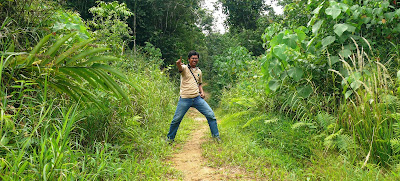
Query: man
pixel 192 95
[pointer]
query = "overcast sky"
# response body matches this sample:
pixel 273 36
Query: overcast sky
pixel 219 17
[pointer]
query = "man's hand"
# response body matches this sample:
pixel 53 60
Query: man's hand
pixel 202 95
pixel 179 64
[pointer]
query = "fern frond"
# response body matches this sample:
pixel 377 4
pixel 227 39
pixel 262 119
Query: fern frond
pixel 303 124
pixel 395 144
pixel 325 120
pixel 331 140
pixel 345 143
pixel 248 123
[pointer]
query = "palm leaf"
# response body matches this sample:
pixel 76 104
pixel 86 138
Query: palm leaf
pixel 35 50
pixel 111 83
pixel 82 72
pixel 58 44
pixel 71 79
pixel 98 59
pixel 72 50
pixel 71 74
pixel 85 54
pixel 115 72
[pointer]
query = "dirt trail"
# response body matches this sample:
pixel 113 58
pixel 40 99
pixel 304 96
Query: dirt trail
pixel 190 161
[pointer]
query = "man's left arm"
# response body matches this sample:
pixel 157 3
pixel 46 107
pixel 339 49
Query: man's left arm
pixel 202 95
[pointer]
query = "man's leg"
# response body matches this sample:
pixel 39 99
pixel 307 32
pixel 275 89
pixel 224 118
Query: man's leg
pixel 181 109
pixel 202 106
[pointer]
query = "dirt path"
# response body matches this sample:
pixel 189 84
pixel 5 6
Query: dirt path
pixel 190 160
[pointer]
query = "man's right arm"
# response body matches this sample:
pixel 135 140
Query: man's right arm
pixel 179 64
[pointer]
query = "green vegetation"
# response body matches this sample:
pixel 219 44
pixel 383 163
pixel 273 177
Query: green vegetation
pixel 72 108
pixel 88 91
pixel 322 102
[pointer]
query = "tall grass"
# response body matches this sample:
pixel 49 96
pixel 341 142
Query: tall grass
pixel 268 137
pixel 368 105
pixel 54 138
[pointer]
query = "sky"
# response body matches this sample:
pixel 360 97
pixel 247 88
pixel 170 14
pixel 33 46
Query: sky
pixel 219 17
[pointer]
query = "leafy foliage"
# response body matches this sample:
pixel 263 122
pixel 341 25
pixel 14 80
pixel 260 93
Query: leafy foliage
pixel 20 27
pixel 67 70
pixel 110 24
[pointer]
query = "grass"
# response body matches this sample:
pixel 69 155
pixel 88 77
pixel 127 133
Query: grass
pixel 266 136
pixel 61 139
pixel 277 160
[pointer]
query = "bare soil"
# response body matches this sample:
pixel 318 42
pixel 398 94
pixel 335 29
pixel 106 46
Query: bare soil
pixel 190 161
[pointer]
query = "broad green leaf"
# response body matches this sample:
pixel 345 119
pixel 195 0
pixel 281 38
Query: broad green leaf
pixel 274 85
pixel 290 40
pixel 398 75
pixel 300 34
pixel 345 52
pixel 274 67
pixel 385 4
pixel 58 26
pixel 317 26
pixel 279 51
pixel 356 75
pixel 333 11
pixel 73 26
pixel 343 6
pixel 277 39
pixel 348 94
pixel 350 28
pixel 340 28
pixel 397 29
pixel 296 73
pixel 328 40
pixel 389 15
pixel 305 91
pixel 333 60
pixel 316 10
pixel 355 85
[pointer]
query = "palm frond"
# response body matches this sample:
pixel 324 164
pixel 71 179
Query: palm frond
pixel 67 70
pixel 71 50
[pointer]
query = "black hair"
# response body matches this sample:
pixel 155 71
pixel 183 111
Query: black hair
pixel 191 53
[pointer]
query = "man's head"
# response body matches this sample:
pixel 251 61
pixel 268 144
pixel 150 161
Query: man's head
pixel 193 58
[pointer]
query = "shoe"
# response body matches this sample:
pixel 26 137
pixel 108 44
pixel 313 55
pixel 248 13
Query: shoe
pixel 169 141
pixel 218 140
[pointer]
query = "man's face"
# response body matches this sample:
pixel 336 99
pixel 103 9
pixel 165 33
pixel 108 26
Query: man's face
pixel 193 60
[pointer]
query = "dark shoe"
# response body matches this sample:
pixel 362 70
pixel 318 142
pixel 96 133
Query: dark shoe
pixel 218 140
pixel 169 141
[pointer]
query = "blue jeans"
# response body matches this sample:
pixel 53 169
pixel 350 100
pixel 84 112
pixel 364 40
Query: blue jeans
pixel 183 106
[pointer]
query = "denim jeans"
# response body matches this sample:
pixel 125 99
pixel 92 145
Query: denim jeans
pixel 183 106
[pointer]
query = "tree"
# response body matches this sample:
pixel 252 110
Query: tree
pixel 243 14
pixel 169 25
pixel 248 19
pixel 110 24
